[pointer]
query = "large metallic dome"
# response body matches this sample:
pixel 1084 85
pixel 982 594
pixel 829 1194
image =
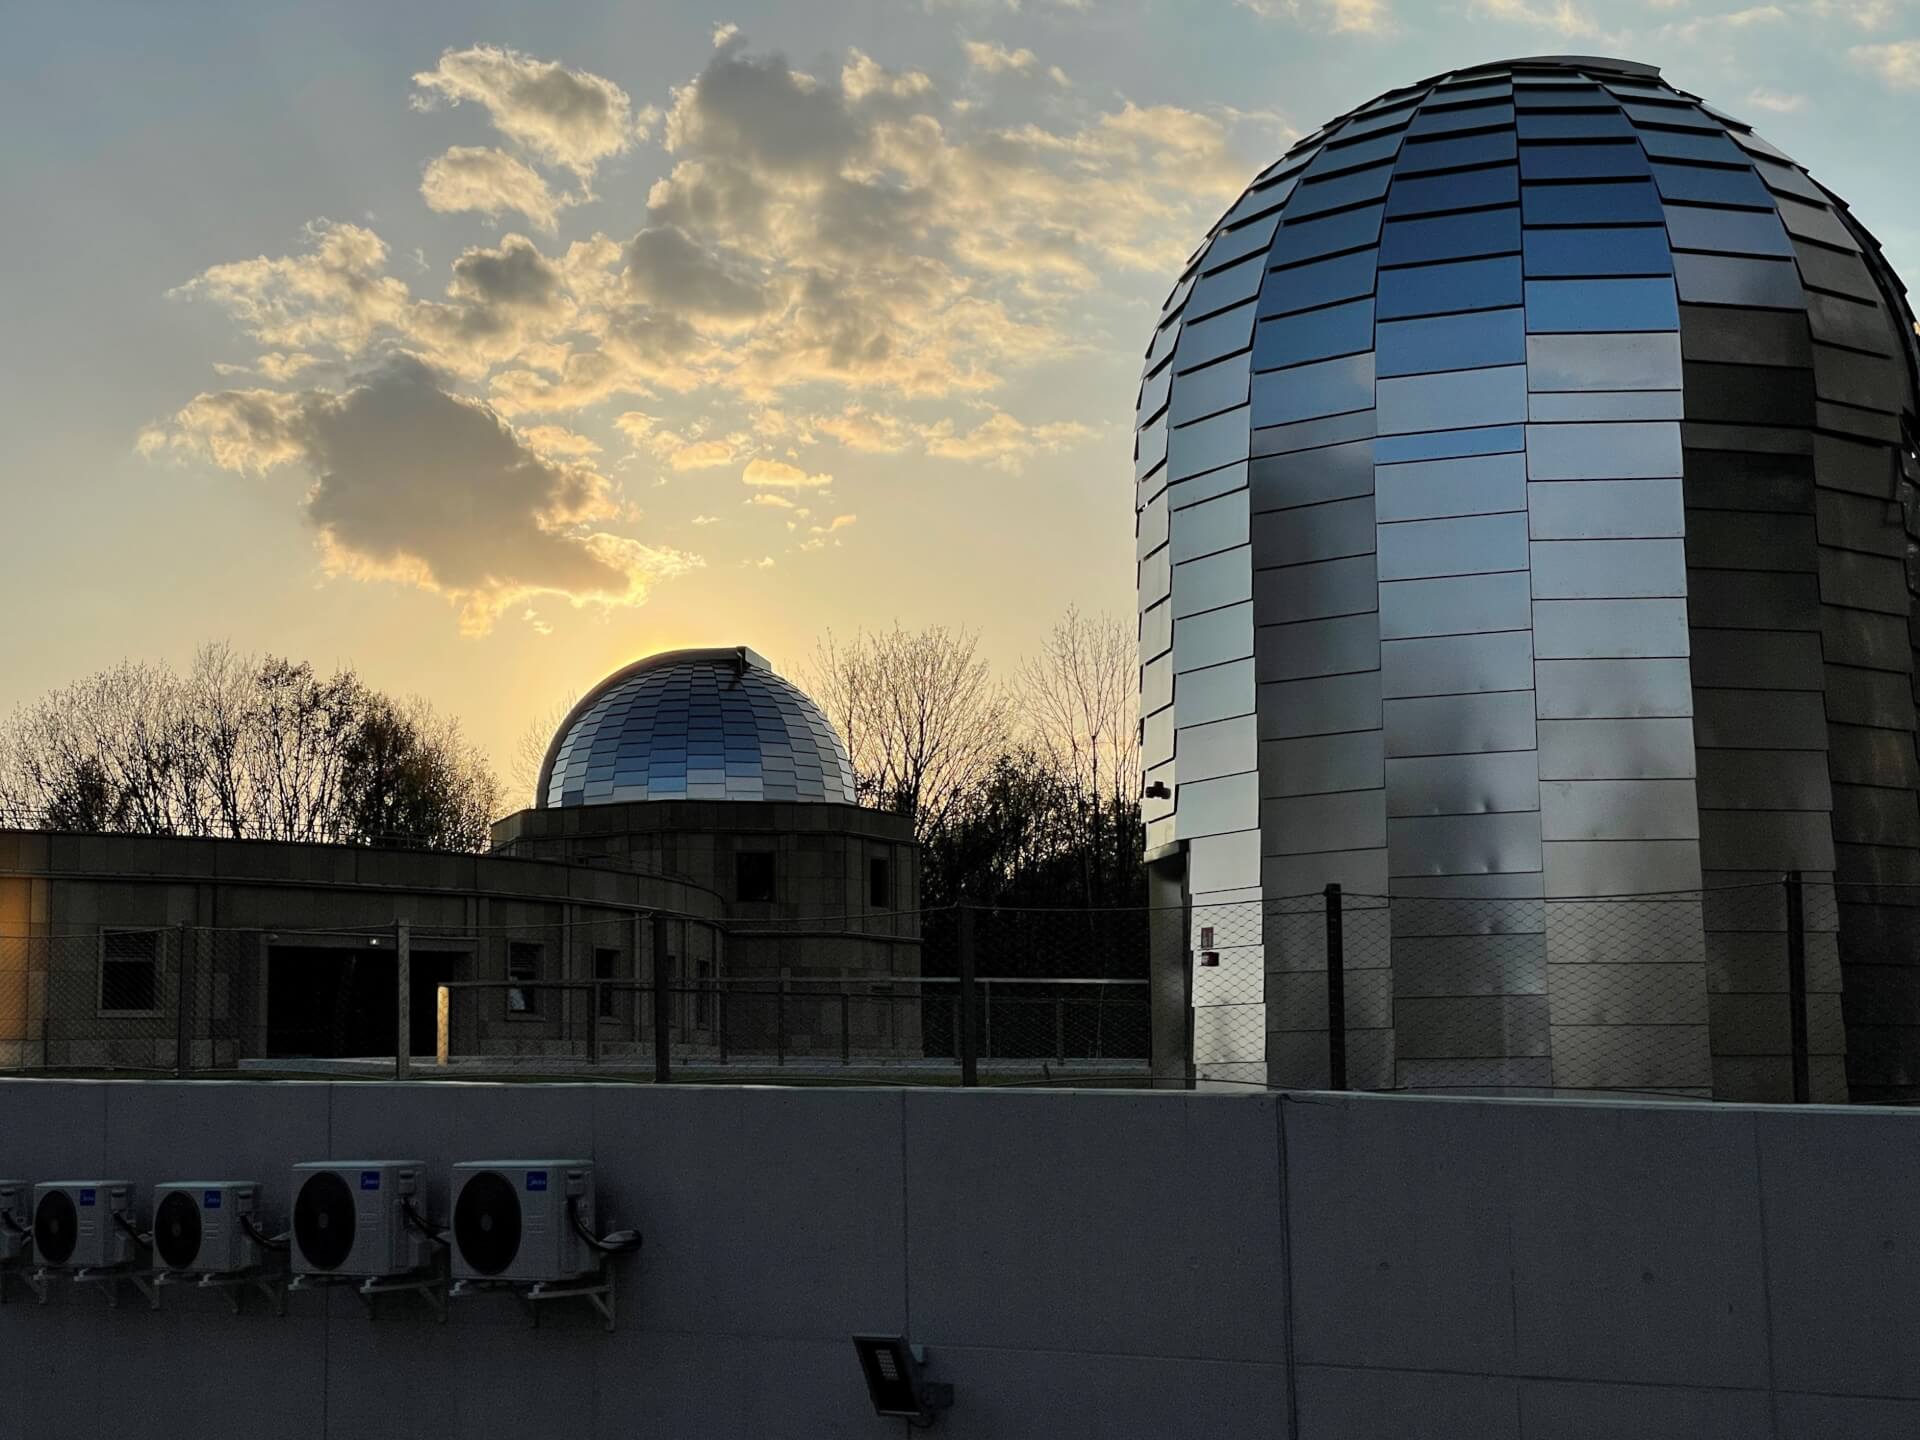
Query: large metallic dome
pixel 695 725
pixel 1525 482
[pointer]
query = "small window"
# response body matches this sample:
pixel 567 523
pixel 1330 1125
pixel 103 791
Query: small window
pixel 523 971
pixel 753 875
pixel 606 965
pixel 879 883
pixel 130 971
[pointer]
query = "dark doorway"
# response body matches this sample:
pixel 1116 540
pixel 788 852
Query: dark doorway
pixel 324 1002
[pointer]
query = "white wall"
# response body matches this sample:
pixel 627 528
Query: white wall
pixel 1081 1265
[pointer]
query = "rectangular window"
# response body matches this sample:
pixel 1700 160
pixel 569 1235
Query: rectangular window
pixel 606 965
pixel 523 972
pixel 130 971
pixel 879 883
pixel 753 875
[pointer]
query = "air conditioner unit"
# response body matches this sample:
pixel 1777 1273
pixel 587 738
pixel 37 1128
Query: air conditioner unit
pixel 350 1218
pixel 76 1224
pixel 15 1223
pixel 511 1220
pixel 199 1226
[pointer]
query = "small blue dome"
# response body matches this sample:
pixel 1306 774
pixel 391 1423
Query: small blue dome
pixel 696 725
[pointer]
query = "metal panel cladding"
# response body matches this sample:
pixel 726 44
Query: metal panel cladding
pixel 1524 476
pixel 696 725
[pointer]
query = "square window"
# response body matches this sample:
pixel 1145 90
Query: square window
pixel 130 971
pixel 879 883
pixel 753 875
pixel 523 973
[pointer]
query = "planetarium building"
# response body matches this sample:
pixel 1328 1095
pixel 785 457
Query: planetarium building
pixel 1525 481
pixel 695 828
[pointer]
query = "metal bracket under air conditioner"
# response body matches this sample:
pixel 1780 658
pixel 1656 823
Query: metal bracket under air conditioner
pixel 234 1285
pixel 598 1292
pixel 429 1285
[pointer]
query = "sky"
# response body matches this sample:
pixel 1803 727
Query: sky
pixel 486 347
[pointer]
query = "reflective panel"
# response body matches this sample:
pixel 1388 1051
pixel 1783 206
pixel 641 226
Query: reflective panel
pixel 1432 489
pixel 1452 399
pixel 1335 472
pixel 1456 190
pixel 1469 546
pixel 1213 637
pixel 1582 162
pixel 1738 232
pixel 1442 445
pixel 1445 289
pixel 1602 304
pixel 1710 185
pixel 1576 569
pixel 1737 280
pixel 1207 444
pixel 1458 605
pixel 1579 629
pixel 1602 452
pixel 1621 250
pixel 1317 647
pixel 1452 342
pixel 1326 235
pixel 1459 724
pixel 1603 362
pixel 1463 784
pixel 1304 287
pixel 1316 591
pixel 1216 525
pixel 1612 689
pixel 1314 532
pixel 1457 664
pixel 1607 202
pixel 1318 764
pixel 1200 696
pixel 1606 509
pixel 1331 387
pixel 1449 237
pixel 1318 334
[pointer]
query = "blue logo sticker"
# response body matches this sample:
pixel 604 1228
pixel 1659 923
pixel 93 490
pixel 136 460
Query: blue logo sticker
pixel 210 1200
pixel 369 1179
pixel 536 1179
pixel 86 1197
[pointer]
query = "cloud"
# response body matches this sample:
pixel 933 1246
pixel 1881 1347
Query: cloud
pixel 858 428
pixel 568 118
pixel 778 475
pixel 1562 17
pixel 839 522
pixel 489 182
pixel 1862 14
pixel 1001 440
pixel 706 519
pixel 1780 104
pixel 702 455
pixel 558 442
pixel 769 500
pixel 1728 21
pixel 1355 17
pixel 666 268
pixel 997 59
pixel 413 484
pixel 1897 64
pixel 335 297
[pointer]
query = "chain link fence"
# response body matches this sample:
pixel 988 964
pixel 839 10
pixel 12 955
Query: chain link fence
pixel 1742 992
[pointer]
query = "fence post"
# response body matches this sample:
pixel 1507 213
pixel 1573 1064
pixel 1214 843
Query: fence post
pixel 1797 986
pixel 969 1039
pixel 1336 992
pixel 662 1016
pixel 403 970
pixel 780 1018
pixel 182 1003
pixel 442 1023
pixel 593 1019
pixel 846 1025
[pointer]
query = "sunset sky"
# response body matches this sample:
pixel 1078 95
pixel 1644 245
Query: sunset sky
pixel 487 347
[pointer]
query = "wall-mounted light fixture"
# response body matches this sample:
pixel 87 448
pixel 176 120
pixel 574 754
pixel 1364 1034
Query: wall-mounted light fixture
pixel 896 1380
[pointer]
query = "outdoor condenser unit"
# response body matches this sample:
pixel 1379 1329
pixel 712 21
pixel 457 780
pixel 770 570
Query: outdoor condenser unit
pixel 350 1218
pixel 15 1223
pixel 522 1220
pixel 82 1224
pixel 201 1226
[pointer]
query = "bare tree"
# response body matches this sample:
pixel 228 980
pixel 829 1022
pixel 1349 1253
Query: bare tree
pixel 921 714
pixel 530 750
pixel 239 746
pixel 1081 695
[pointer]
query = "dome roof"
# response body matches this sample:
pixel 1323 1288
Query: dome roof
pixel 695 725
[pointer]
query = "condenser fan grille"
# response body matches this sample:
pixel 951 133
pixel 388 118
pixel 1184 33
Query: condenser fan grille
pixel 176 1231
pixel 56 1226
pixel 486 1222
pixel 323 1221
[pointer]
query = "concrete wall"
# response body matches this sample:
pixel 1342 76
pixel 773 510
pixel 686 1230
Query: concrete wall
pixel 1083 1266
